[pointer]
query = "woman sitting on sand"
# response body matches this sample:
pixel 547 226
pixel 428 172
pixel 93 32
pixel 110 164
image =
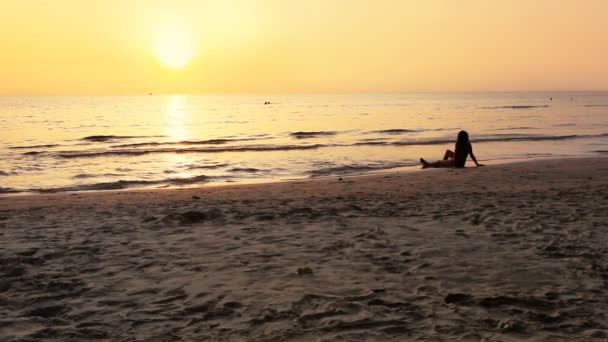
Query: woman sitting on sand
pixel 458 157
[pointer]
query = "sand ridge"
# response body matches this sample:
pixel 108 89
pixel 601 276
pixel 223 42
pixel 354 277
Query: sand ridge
pixel 511 252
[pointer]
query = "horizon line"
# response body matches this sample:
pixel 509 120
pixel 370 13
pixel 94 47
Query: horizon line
pixel 302 93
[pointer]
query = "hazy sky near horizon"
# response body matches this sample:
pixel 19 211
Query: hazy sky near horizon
pixel 260 46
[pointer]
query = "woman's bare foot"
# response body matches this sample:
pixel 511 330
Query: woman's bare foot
pixel 425 164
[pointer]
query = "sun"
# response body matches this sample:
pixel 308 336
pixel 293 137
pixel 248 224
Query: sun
pixel 174 48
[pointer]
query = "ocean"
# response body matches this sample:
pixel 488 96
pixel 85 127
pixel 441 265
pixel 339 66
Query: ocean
pixel 53 144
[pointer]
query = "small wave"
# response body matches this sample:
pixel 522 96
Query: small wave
pixel 33 153
pixel 88 175
pixel 479 137
pixel 399 131
pixel 83 176
pixel 305 135
pixel 2 173
pixel 33 146
pixel 188 180
pixel 207 167
pixel 244 169
pixel 123 169
pixel 103 138
pixel 372 143
pixel 141 144
pixel 185 142
pixel 253 148
pixel 511 128
pixel 8 191
pixel 565 125
pixel 538 154
pixel 124 184
pixel 596 105
pixel 356 168
pixel 396 131
pixel 28 168
pixel 373 139
pixel 517 107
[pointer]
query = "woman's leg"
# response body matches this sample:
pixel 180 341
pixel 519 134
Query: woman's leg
pixel 439 163
pixel 448 160
pixel 425 164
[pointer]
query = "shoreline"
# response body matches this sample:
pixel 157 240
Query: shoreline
pixel 504 252
pixel 254 181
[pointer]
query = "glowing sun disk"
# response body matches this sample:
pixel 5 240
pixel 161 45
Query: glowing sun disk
pixel 175 49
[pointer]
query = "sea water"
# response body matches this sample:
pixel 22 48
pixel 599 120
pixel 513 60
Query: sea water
pixel 51 144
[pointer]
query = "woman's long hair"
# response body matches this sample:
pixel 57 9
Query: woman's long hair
pixel 461 142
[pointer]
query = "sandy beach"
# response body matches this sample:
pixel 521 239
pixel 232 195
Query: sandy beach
pixel 512 252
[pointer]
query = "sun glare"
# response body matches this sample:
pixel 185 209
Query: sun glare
pixel 175 48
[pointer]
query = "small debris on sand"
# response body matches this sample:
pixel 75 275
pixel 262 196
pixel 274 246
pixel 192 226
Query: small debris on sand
pixel 304 271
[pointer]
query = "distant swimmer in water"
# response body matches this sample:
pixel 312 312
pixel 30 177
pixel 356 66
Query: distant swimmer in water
pixel 456 158
pixel 267 102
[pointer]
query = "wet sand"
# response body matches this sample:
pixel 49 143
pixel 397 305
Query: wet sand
pixel 512 252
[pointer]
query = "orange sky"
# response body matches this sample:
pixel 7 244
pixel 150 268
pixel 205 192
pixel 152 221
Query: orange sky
pixel 108 47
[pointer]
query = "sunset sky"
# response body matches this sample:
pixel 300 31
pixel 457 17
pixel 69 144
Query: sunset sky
pixel 249 46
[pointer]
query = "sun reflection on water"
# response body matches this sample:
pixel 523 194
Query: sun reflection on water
pixel 176 130
pixel 176 115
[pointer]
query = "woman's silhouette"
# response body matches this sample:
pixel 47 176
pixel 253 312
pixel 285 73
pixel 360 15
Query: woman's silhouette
pixel 456 158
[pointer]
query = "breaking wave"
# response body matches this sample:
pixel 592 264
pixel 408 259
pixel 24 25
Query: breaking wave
pixel 390 131
pixel 185 142
pixel 254 148
pixel 124 184
pixel 270 148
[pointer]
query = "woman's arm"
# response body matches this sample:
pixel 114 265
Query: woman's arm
pixel 473 156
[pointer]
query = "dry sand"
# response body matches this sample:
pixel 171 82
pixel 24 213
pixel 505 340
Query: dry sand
pixel 511 252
